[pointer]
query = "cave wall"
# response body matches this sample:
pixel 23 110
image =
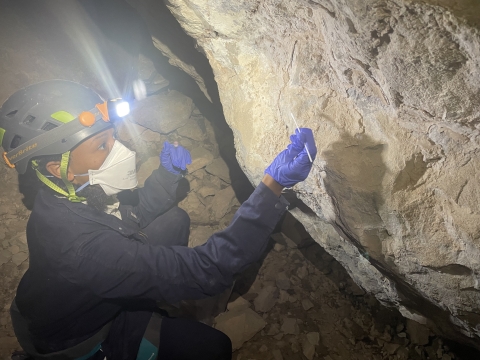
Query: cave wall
pixel 390 89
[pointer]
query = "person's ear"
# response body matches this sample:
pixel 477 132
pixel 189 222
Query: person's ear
pixel 53 167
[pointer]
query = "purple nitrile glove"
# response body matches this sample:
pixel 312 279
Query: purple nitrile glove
pixel 175 158
pixel 292 165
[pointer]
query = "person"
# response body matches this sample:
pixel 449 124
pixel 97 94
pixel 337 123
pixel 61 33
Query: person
pixel 98 270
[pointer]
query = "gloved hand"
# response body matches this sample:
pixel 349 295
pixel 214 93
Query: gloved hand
pixel 292 165
pixel 174 157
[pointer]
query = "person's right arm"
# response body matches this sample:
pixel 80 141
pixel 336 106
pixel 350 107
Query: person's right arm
pixel 115 267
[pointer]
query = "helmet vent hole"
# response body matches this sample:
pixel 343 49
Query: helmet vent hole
pixel 48 126
pixel 11 113
pixel 29 119
pixel 15 141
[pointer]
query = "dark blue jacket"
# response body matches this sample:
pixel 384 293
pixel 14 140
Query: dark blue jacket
pixel 88 268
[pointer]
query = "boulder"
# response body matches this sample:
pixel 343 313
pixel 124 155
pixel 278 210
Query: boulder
pixel 163 113
pixel 387 89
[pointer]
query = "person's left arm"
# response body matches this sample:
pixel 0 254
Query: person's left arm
pixel 159 192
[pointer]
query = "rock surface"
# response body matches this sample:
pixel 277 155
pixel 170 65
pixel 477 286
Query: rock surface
pixel 390 89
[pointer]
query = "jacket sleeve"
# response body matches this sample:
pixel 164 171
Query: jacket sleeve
pixel 112 266
pixel 157 196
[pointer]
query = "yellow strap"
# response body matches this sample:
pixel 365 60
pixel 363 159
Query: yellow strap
pixel 71 195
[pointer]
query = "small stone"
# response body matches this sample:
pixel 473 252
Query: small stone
pixel 200 157
pixel 402 335
pixel 284 297
pixel 3 259
pixel 200 174
pixel 308 349
pixel 220 169
pixel 282 281
pixel 273 330
pixel 278 247
pixel 399 328
pixel 307 304
pixel 14 249
pixel 238 303
pixel 19 258
pixel 313 338
pixel 266 299
pixel 277 354
pixel 302 272
pixel 418 333
pixel 240 325
pixel 222 202
pixel 446 357
pixel 278 336
pixel 200 235
pixel 147 168
pixel 192 131
pixel 206 191
pixel 263 348
pixel 292 298
pixel 391 348
pixel 290 326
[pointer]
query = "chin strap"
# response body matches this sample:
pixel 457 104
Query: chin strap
pixel 71 195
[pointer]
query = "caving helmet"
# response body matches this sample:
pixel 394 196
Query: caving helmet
pixel 50 118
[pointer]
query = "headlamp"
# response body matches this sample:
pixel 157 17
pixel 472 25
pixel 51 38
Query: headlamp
pixel 110 110
pixel 117 108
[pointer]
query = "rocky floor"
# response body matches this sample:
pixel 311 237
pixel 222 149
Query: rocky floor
pixel 303 305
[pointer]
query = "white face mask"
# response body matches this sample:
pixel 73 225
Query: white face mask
pixel 117 173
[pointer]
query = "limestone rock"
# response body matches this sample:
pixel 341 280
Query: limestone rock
pixel 418 333
pixel 240 326
pixel 290 326
pixel 307 304
pixel 195 209
pixel 308 348
pixel 192 131
pixel 129 132
pixel 206 191
pixel 146 169
pixel 277 354
pixel 220 169
pixel 283 281
pixel 222 202
pixel 19 258
pixel 266 299
pixel 163 113
pixel 199 235
pixel 388 92
pixel 238 303
pixel 200 158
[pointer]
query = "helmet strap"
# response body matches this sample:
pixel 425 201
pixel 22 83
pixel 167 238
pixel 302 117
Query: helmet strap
pixel 71 195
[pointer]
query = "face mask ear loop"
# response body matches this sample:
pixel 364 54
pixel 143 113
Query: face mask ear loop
pixel 63 172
